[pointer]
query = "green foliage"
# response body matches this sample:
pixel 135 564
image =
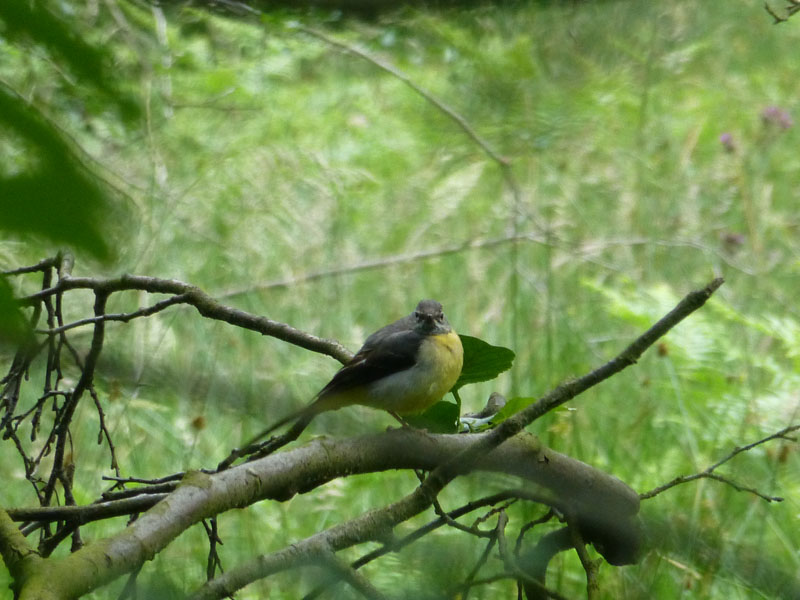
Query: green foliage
pixel 482 361
pixel 12 323
pixel 44 189
pixel 442 417
pixel 512 407
pixel 50 196
pixel 267 159
pixel 32 24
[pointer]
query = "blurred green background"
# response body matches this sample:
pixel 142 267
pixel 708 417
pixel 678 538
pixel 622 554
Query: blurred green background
pixel 654 149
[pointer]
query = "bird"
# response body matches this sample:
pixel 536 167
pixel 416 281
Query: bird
pixel 403 368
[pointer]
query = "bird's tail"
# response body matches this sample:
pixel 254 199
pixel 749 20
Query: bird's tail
pixel 301 420
pixel 304 416
pixel 300 417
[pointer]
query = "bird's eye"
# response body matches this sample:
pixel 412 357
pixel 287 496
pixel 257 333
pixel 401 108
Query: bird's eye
pixel 417 314
pixel 440 316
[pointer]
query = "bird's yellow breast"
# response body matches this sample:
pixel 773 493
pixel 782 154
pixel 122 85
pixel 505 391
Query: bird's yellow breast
pixel 443 354
pixel 413 390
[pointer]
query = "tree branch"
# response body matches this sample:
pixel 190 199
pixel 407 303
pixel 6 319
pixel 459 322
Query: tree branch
pixel 428 96
pixel 282 475
pixel 205 305
pixel 617 549
pixel 17 555
pixel 88 513
pixel 708 473
pixel 589 566
pixel 605 508
pixel 123 317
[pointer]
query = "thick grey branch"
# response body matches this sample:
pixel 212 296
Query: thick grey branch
pixel 600 499
pixel 279 476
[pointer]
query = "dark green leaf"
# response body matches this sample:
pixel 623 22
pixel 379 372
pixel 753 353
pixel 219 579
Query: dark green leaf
pixel 12 322
pixel 442 417
pixel 34 22
pixel 54 198
pixel 482 361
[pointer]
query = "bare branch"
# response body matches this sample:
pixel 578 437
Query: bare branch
pixel 709 472
pixel 205 305
pixel 214 561
pixel 347 573
pixel 469 581
pixel 89 513
pixel 566 391
pixel 124 317
pixel 575 487
pixel 388 261
pixel 42 265
pixel 530 525
pixel 480 448
pixel 589 566
pixel 61 429
pixel 395 72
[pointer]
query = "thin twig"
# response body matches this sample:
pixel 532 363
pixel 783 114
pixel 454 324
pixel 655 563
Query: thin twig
pixel 388 261
pixel 398 74
pixel 474 530
pixel 349 575
pixel 502 542
pixel 709 472
pixel 87 513
pixel 124 317
pixel 399 544
pixel 214 560
pixel 42 265
pixel 530 525
pixel 61 430
pixel 153 490
pixel 159 480
pixel 589 566
pixel 469 580
pixel 104 432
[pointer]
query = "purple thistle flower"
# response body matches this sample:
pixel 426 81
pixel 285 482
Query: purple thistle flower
pixel 775 115
pixel 726 139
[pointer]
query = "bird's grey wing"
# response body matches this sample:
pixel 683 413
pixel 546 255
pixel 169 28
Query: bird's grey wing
pixel 404 324
pixel 393 352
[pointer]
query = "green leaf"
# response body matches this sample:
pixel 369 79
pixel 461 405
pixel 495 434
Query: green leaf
pixel 512 407
pixel 33 21
pixel 482 361
pixel 442 417
pixel 55 198
pixel 13 328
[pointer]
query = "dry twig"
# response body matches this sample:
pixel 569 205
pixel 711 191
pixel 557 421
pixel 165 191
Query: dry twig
pixel 709 473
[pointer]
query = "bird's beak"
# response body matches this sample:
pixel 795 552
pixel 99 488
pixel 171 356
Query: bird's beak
pixel 428 320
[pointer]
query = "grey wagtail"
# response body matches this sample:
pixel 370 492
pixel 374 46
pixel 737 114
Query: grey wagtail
pixel 403 368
